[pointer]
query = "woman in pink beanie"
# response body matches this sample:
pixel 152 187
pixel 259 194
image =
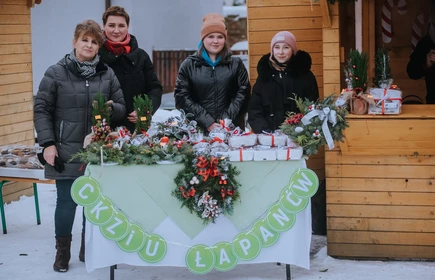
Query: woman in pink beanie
pixel 281 73
pixel 211 84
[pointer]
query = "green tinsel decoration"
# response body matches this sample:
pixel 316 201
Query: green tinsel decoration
pixel 357 65
pixel 382 68
pixel 143 107
pixel 100 109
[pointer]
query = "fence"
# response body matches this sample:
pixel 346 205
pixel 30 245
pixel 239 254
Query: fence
pixel 167 63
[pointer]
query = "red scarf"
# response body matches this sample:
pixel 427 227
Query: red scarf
pixel 118 48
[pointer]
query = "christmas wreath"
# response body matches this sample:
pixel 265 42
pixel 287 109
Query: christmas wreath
pixel 207 186
pixel 317 124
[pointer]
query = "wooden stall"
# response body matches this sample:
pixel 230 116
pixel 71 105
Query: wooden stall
pixel 379 183
pixel 380 195
pixel 16 88
pixel 380 187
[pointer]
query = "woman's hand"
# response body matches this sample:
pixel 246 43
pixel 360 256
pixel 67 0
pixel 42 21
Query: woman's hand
pixel 213 126
pixel 109 103
pixel 132 117
pixel 430 58
pixel 49 154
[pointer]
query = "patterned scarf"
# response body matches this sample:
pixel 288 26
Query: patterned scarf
pixel 118 48
pixel 275 64
pixel 86 69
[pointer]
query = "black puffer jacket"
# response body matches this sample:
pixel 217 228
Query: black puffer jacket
pixel 213 93
pixel 63 110
pixel 417 67
pixel 136 74
pixel 273 89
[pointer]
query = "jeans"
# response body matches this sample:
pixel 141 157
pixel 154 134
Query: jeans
pixel 65 209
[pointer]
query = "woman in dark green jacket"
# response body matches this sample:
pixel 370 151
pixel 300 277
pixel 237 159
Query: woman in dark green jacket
pixel 63 118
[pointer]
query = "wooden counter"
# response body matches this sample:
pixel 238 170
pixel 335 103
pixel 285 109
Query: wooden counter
pixel 381 187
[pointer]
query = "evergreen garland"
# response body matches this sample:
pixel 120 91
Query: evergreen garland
pixel 100 109
pixel 357 67
pixel 143 107
pixel 207 186
pixel 382 68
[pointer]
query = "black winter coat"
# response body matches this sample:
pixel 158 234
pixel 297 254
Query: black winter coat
pixel 213 93
pixel 273 90
pixel 63 110
pixel 417 67
pixel 136 74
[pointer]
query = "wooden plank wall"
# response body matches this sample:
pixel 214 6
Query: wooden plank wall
pixel 380 206
pixel 303 19
pixel 16 96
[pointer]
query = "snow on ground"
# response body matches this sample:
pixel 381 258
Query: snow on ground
pixel 240 46
pixel 27 252
pixel 234 11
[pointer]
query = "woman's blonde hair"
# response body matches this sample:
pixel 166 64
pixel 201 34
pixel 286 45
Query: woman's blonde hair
pixel 91 28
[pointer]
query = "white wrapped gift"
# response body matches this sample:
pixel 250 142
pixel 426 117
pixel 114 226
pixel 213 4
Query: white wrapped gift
pixel 272 139
pixel 243 140
pixel 291 143
pixel 264 153
pixel 201 148
pixel 241 154
pixel 218 146
pixel 289 153
pixel 385 101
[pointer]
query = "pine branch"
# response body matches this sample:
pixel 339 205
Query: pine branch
pixel 382 68
pixel 100 109
pixel 143 108
pixel 358 66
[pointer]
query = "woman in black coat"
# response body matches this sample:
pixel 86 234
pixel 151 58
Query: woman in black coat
pixel 281 74
pixel 132 65
pixel 211 84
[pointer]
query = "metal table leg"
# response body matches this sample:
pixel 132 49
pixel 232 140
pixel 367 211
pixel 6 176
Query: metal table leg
pixel 35 194
pixel 112 272
pixel 2 208
pixel 288 272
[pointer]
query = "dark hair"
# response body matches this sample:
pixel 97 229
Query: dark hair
pixel 116 11
pixel 91 28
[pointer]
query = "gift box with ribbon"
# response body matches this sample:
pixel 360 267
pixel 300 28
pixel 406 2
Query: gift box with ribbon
pixel 386 101
pixel 241 138
pixel 272 139
pixel 241 154
pixel 262 153
pixel 289 153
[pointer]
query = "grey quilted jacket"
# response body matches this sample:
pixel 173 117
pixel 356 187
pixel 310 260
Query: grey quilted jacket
pixel 63 110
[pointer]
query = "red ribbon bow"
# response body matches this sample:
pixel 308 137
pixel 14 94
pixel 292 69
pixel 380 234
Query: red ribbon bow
pixel 229 191
pixel 187 193
pixel 207 168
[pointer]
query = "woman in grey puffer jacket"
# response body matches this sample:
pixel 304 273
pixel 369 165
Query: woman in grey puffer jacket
pixel 62 116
